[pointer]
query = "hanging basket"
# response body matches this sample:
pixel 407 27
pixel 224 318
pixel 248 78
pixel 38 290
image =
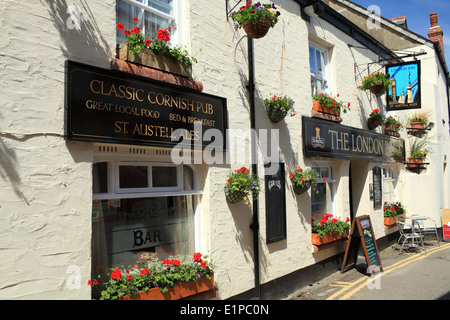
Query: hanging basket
pixel 233 197
pixel 257 30
pixel 371 124
pixel 377 89
pixel 301 188
pixel 276 115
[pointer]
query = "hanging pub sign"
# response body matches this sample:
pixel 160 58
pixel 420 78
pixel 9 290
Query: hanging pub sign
pixel 110 106
pixel 323 138
pixel 404 92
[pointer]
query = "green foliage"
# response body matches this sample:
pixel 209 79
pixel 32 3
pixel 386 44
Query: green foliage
pixel 152 273
pixel 375 78
pixel 301 176
pixel 282 103
pixel 418 148
pixel 242 180
pixel 328 225
pixel 160 44
pixel 252 14
pixel 331 102
pixel 393 209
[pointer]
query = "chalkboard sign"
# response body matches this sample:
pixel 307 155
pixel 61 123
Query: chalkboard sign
pixel 361 233
pixel 275 205
pixel 377 191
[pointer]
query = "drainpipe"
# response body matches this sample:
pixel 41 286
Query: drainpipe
pixel 255 224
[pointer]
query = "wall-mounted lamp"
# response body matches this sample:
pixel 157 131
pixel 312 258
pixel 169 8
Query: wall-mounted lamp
pixel 314 8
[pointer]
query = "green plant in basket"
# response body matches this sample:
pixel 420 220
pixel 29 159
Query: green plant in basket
pixel 373 79
pixel 251 13
pixel 243 182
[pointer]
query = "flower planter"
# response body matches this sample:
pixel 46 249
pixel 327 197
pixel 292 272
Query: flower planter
pixel 276 115
pixel 327 238
pixel 390 221
pixel 149 59
pixel 179 291
pixel 371 124
pixel 301 188
pixel 391 131
pixel 317 106
pixel 400 160
pixel 416 126
pixel 414 163
pixel 257 30
pixel 233 197
pixel 377 89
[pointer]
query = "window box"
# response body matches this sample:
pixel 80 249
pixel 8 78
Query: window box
pixel 327 238
pixel 179 291
pixel 317 106
pixel 149 59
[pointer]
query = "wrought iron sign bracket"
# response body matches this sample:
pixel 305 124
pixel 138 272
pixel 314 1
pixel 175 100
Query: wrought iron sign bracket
pixel 228 10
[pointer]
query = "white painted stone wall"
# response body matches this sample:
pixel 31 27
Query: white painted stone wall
pixel 46 183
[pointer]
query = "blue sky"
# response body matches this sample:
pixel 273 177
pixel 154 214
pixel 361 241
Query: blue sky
pixel 417 13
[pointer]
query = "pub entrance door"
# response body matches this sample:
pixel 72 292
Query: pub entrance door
pixel 357 174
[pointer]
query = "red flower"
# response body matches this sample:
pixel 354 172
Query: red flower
pixel 144 271
pixel 334 220
pixel 129 277
pixel 203 265
pixel 127 32
pixel 376 122
pixel 312 220
pixel 176 262
pixel 162 35
pixel 197 257
pixel 148 43
pixel 228 181
pixel 347 220
pixel 136 30
pixel 120 26
pixel 291 175
pixel 116 274
pixel 324 179
pixel 136 19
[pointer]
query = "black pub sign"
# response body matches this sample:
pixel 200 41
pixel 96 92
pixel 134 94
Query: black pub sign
pixel 323 138
pixel 110 106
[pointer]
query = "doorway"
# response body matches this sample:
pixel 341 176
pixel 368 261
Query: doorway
pixel 357 174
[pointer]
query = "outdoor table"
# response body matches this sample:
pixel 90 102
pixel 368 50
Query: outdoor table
pixel 414 220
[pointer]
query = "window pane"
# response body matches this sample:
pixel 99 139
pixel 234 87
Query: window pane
pixel 128 229
pixel 164 177
pixel 100 177
pixel 125 15
pixel 321 200
pixel 154 22
pixel 165 6
pixel 188 178
pixel 312 61
pixel 133 176
pixel 319 64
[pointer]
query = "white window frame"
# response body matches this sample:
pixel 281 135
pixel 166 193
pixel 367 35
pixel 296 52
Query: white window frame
pixel 388 175
pixel 325 79
pixel 173 18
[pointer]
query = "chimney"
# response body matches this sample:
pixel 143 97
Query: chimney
pixel 435 33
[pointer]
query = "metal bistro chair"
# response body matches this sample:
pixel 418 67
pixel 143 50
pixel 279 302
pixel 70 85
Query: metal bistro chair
pixel 410 234
pixel 427 229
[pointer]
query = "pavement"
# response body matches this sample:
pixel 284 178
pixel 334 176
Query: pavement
pixel 410 275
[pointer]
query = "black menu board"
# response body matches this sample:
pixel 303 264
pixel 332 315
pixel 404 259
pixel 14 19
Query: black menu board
pixel 275 204
pixel 377 191
pixel 361 233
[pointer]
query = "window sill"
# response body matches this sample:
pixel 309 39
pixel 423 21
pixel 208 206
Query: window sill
pixel 111 196
pixel 147 72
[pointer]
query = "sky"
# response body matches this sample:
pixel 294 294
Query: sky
pixel 417 14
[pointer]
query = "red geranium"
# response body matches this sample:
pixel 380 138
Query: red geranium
pixel 163 35
pixel 120 26
pixel 116 274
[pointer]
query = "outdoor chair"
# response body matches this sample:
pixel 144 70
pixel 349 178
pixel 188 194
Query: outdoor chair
pixel 409 235
pixel 427 229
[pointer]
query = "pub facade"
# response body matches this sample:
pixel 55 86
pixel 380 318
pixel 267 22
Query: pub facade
pixel 106 160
